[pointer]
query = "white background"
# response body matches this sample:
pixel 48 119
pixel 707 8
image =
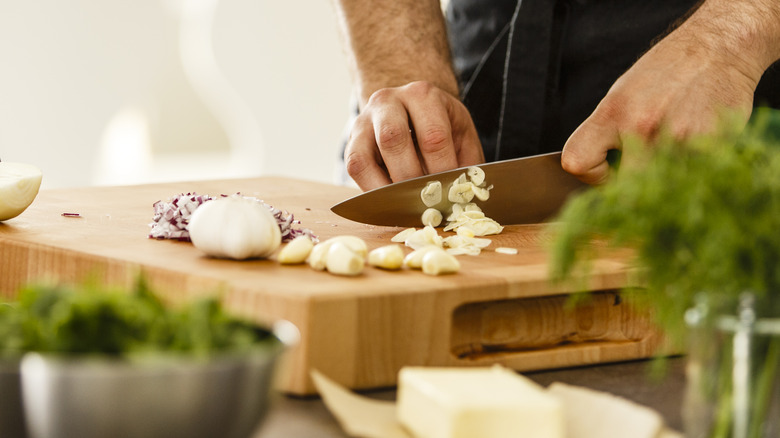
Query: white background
pixel 98 92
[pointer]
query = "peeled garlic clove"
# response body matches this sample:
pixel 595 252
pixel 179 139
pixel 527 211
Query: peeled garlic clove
pixel 431 217
pixel 387 257
pixel 296 251
pixel 414 259
pixel 506 250
pixel 354 243
pixel 342 260
pixel 403 235
pixel 19 184
pixel 461 193
pixel 431 193
pixel 439 262
pixel 476 175
pixel 319 255
pixel 234 227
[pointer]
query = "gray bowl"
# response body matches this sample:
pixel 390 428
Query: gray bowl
pixel 11 410
pixel 92 397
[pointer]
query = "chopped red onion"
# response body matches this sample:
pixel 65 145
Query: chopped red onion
pixel 171 218
pixel 71 215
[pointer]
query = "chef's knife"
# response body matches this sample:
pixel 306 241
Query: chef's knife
pixel 525 190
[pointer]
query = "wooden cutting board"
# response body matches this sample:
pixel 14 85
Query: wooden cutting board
pixel 359 331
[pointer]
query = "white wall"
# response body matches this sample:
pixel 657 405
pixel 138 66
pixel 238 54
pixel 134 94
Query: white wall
pixel 95 91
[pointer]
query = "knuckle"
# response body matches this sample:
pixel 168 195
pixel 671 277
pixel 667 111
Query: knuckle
pixel 419 88
pixel 433 139
pixel 391 138
pixel 381 96
pixel 356 163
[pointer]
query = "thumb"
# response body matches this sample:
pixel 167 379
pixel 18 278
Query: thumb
pixel 585 152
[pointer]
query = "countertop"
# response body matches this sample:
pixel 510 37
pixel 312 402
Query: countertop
pixel 296 417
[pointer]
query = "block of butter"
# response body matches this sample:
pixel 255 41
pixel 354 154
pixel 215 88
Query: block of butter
pixel 484 402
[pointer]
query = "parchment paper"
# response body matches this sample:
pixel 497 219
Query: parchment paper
pixel 363 417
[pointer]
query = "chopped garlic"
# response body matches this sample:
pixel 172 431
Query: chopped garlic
pixel 424 237
pixel 431 217
pixel 476 175
pixel 403 235
pixel 505 250
pixel 431 193
pixel 461 193
pixel 465 245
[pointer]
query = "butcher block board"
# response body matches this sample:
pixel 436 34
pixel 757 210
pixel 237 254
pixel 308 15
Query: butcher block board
pixel 357 330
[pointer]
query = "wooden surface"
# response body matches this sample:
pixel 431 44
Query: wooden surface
pixel 359 331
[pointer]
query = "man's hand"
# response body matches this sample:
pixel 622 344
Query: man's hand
pixel 710 64
pixel 410 131
pixel 411 121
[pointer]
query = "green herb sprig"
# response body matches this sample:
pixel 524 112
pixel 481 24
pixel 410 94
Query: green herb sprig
pixel 703 216
pixel 92 318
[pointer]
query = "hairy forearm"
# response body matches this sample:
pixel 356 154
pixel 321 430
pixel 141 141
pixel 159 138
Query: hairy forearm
pixel 392 43
pixel 743 33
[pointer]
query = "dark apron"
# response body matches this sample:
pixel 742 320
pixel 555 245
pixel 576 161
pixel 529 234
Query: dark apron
pixel 532 70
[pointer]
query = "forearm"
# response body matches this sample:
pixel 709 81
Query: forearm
pixel 742 33
pixel 392 43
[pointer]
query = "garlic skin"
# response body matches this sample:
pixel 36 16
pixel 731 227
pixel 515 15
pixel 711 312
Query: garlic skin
pixel 296 251
pixel 234 227
pixel 390 257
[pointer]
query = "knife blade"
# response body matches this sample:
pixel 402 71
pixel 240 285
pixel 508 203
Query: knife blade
pixel 525 190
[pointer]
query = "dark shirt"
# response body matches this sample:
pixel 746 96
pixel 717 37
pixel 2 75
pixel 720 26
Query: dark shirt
pixel 526 97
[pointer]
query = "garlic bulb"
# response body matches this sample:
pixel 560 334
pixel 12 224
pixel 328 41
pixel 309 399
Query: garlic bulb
pixel 234 227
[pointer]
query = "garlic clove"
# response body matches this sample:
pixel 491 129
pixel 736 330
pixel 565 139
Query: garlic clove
pixel 296 251
pixel 342 260
pixel 431 217
pixel 439 262
pixel 431 193
pixel 389 257
pixel 413 260
pixel 319 254
pixel 354 243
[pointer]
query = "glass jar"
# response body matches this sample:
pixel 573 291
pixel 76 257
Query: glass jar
pixel 733 371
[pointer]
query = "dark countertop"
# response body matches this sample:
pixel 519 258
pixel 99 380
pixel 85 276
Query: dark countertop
pixel 293 417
